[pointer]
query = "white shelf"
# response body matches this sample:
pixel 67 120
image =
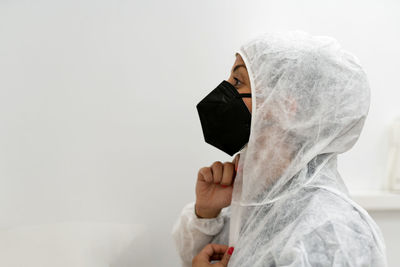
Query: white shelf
pixel 377 200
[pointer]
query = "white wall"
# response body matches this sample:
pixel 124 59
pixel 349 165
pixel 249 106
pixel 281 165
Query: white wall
pixel 97 102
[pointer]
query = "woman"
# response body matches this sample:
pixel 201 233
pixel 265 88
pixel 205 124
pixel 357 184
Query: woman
pixel 286 204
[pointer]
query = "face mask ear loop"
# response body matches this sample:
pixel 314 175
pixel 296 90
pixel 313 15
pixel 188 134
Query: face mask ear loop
pixel 243 95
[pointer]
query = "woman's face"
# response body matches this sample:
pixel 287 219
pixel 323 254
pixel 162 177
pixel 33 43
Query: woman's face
pixel 240 79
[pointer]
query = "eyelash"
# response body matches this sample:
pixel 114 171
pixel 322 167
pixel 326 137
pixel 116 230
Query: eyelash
pixel 237 80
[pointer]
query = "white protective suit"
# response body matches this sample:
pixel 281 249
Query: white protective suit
pixel 290 207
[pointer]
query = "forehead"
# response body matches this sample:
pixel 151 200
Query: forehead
pixel 238 61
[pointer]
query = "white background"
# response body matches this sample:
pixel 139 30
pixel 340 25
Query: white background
pixel 97 102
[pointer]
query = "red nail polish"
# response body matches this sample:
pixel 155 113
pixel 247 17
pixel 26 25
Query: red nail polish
pixel 224 186
pixel 230 250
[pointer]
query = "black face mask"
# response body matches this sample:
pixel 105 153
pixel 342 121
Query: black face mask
pixel 225 118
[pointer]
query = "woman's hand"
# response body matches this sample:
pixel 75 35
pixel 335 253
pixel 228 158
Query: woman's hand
pixel 214 188
pixel 213 252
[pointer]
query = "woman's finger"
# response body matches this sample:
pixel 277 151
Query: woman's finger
pixel 236 161
pixel 205 174
pixel 217 257
pixel 211 249
pixel 228 174
pixel 225 259
pixel 216 169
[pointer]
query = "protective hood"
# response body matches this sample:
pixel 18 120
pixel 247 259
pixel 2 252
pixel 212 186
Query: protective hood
pixel 310 99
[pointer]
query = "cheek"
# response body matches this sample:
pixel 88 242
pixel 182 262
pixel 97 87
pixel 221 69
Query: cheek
pixel 247 101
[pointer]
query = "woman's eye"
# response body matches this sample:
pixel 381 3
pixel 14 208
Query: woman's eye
pixel 237 81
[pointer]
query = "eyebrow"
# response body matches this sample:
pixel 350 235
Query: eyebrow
pixel 238 66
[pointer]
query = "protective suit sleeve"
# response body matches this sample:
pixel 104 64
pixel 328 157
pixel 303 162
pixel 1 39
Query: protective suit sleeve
pixel 191 234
